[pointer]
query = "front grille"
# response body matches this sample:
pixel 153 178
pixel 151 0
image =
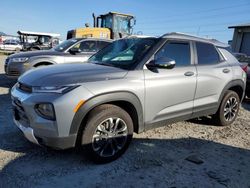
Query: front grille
pixel 12 72
pixel 24 87
pixel 19 112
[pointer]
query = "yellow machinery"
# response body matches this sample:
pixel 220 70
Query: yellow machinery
pixel 112 25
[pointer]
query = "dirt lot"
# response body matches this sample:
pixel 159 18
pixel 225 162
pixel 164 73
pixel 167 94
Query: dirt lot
pixel 156 158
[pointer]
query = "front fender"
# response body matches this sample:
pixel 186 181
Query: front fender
pixel 107 98
pixel 36 60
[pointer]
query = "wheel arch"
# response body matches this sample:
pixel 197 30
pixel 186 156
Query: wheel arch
pixel 126 100
pixel 44 62
pixel 236 85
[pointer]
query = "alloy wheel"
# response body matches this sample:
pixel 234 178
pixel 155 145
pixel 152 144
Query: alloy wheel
pixel 230 109
pixel 110 137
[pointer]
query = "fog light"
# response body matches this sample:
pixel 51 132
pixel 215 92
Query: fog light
pixel 46 111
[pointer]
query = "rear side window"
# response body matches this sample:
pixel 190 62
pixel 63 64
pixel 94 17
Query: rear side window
pixel 178 51
pixel 207 54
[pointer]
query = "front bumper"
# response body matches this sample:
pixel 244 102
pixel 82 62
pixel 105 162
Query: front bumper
pixel 55 134
pixel 56 143
pixel 27 131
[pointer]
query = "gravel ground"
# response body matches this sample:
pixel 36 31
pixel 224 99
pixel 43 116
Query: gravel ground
pixel 185 154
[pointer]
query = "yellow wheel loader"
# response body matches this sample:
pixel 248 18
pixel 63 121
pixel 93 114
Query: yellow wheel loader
pixel 112 25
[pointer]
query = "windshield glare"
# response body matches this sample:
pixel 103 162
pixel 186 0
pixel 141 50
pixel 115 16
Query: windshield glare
pixel 124 53
pixel 64 45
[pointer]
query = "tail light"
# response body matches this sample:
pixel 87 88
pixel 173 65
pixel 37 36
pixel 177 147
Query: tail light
pixel 244 68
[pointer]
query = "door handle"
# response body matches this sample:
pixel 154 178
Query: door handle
pixel 189 73
pixel 226 70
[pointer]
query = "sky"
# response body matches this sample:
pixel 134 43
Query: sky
pixel 153 17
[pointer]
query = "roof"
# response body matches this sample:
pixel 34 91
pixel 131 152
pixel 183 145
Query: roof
pixel 140 36
pixel 91 38
pixel 240 26
pixel 177 35
pixel 118 13
pixel 31 33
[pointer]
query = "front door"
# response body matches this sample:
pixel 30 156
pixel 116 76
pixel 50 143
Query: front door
pixel 83 50
pixel 169 93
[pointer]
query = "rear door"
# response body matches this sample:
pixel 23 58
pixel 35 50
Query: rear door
pixel 169 93
pixel 213 75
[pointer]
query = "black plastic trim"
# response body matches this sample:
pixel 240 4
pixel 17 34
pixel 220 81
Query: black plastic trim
pixel 107 98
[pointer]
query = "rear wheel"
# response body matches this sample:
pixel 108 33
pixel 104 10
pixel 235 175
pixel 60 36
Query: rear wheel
pixel 107 134
pixel 228 109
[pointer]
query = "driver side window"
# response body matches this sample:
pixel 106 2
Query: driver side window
pixel 86 46
pixel 178 51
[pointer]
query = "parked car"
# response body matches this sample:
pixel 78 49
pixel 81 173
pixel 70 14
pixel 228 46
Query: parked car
pixel 245 64
pixel 132 85
pixel 11 45
pixel 69 51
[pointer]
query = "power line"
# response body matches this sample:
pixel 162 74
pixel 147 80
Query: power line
pixel 196 25
pixel 197 12
pixel 205 17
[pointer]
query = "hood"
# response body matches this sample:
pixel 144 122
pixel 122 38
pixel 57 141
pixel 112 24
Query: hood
pixel 35 53
pixel 58 75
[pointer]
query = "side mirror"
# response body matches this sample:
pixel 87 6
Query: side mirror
pixel 75 51
pixel 162 63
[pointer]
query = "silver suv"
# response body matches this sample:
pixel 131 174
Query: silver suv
pixel 69 51
pixel 132 85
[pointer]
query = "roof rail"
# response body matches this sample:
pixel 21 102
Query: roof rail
pixel 178 35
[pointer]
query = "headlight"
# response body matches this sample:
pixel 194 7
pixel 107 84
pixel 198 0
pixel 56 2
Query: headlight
pixel 54 89
pixel 45 110
pixel 19 59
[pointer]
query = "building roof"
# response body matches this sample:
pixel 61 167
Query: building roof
pixel 177 35
pixel 31 33
pixel 240 26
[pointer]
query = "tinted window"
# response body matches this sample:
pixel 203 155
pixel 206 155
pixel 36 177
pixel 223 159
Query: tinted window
pixel 178 51
pixel 86 46
pixel 207 54
pixel 102 44
pixel 65 45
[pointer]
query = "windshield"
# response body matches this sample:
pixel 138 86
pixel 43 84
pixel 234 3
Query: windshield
pixel 107 22
pixel 64 45
pixel 122 24
pixel 124 53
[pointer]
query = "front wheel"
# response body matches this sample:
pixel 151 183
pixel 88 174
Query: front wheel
pixel 107 134
pixel 228 109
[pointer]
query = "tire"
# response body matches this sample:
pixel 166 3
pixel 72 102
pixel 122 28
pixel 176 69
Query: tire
pixel 228 109
pixel 100 142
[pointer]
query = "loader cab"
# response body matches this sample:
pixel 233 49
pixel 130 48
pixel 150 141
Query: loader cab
pixel 120 25
pixel 107 26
